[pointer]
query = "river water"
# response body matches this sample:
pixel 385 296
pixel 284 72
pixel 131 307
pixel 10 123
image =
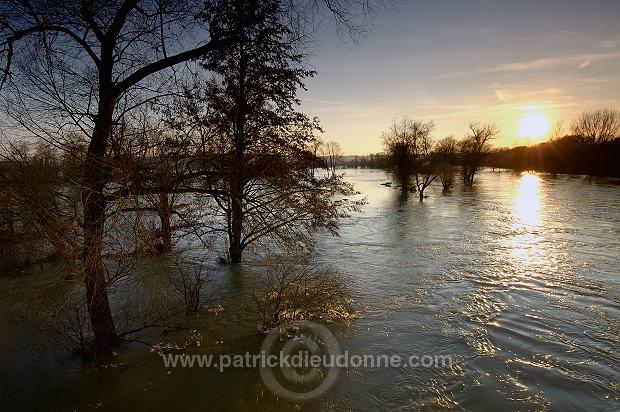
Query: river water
pixel 516 279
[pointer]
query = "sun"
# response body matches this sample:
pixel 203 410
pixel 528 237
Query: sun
pixel 534 126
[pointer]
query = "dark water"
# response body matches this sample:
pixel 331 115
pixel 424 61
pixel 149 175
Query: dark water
pixel 517 279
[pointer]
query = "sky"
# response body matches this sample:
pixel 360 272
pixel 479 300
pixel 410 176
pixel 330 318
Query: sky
pixel 522 64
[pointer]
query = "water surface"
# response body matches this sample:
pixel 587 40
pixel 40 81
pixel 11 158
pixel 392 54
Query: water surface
pixel 517 279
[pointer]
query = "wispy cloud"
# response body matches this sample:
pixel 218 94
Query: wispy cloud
pixel 322 101
pixel 592 79
pixel 439 105
pixel 608 44
pixel 571 33
pixel 585 64
pixel 500 96
pixel 520 92
pixel 532 65
pixel 404 40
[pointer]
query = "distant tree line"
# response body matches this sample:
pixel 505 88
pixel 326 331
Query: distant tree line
pixel 370 161
pixel 592 147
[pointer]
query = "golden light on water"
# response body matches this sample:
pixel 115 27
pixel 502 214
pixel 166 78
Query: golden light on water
pixel 527 201
pixel 534 125
pixel 526 245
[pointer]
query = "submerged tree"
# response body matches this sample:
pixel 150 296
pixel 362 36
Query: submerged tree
pixel 332 153
pixel 38 213
pixel 82 66
pixel 409 145
pixel 315 147
pixel 157 167
pixel 474 148
pixel 445 153
pixel 256 141
pixel 425 170
pixel 88 63
pixel 398 145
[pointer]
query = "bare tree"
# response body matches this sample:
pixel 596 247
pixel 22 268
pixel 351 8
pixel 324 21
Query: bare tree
pixel 315 147
pixel 82 65
pixel 475 147
pixel 408 145
pixel 398 144
pixel 189 283
pixel 426 170
pixel 597 126
pixel 39 210
pixel 445 152
pixel 293 287
pixel 161 168
pixel 557 130
pixel 332 152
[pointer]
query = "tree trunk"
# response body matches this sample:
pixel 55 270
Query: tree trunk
pixel 236 225
pixel 237 183
pixel 94 204
pixel 166 228
pixel 237 187
pixel 96 287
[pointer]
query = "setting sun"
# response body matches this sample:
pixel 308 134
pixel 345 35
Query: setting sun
pixel 534 125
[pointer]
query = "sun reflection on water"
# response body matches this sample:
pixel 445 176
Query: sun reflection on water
pixel 527 201
pixel 526 243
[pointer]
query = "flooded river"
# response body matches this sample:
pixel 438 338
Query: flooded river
pixel 516 279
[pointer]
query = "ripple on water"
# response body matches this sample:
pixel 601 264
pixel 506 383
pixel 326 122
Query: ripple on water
pixel 516 278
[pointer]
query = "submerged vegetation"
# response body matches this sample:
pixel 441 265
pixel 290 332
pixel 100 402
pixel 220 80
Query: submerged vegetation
pixel 414 159
pixel 158 175
pixel 140 148
pixel 293 288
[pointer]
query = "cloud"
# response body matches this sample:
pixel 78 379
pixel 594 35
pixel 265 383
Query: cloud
pixel 592 79
pixel 521 92
pixel 572 33
pixel 321 101
pixel 584 64
pixel 500 96
pixel 608 44
pixel 404 40
pixel 441 106
pixel 531 65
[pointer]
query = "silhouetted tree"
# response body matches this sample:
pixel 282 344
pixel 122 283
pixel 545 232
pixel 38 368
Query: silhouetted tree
pixel 398 144
pixel 425 164
pixel 599 126
pixel 557 130
pixel 38 209
pixel 332 153
pixel 259 144
pixel 408 145
pixel 445 152
pixel 81 65
pixel 251 100
pixel 474 148
pixel 315 148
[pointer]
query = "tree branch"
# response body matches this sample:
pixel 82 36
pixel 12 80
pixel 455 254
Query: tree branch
pixel 18 35
pixel 164 63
